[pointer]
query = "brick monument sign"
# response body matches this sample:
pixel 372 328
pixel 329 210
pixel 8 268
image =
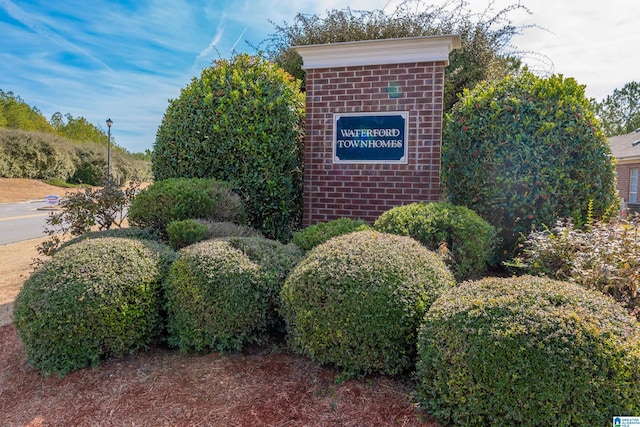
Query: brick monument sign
pixel 373 125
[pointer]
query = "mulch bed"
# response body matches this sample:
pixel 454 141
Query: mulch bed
pixel 162 387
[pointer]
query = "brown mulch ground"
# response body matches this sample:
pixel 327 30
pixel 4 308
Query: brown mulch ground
pixel 160 387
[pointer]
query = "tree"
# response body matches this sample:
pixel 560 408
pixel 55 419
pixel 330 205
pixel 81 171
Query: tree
pixel 485 37
pixel 77 129
pixel 620 111
pixel 15 113
pixel 240 122
pixel 527 151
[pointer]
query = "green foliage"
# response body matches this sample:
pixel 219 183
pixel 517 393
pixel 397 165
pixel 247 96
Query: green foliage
pixel 356 301
pixel 459 235
pixel 218 229
pixel 484 37
pixel 136 233
pixel 215 299
pixel 275 261
pixel 17 114
pixel 620 111
pixel 527 351
pixel 186 232
pixel 525 151
pixel 35 155
pixel 83 210
pixel 96 299
pixel 604 256
pixel 39 155
pixel 240 122
pixel 177 199
pixel 316 234
pixel 77 129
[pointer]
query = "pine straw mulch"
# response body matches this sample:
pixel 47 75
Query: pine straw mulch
pixel 162 387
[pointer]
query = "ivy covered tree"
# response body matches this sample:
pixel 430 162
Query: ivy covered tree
pixel 620 111
pixel 527 151
pixel 485 37
pixel 240 122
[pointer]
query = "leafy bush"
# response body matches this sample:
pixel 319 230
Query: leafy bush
pixel 275 261
pixel 186 232
pixel 459 235
pixel 124 233
pixel 217 229
pixel 313 235
pixel 240 122
pixel 83 210
pixel 95 299
pixel 177 199
pixel 527 351
pixel 215 299
pixel 604 256
pixel 524 151
pixel 356 301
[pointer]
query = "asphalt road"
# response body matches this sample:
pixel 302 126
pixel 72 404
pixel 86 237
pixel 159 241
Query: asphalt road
pixel 22 221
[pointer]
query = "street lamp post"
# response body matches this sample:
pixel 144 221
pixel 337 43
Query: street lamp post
pixel 109 123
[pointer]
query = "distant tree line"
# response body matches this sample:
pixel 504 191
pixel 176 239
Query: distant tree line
pixel 65 147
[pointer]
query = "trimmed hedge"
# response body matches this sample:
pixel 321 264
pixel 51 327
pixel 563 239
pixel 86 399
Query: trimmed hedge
pixel 356 301
pixel 178 199
pixel 461 236
pixel 221 294
pixel 313 235
pixel 528 351
pixel 95 299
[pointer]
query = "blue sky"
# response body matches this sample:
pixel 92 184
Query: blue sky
pixel 125 59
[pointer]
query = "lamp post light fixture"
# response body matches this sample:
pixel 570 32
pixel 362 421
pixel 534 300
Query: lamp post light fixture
pixel 109 124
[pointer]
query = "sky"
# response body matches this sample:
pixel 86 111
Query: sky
pixel 126 59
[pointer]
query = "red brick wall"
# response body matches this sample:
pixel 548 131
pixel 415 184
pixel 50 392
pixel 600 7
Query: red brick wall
pixel 364 191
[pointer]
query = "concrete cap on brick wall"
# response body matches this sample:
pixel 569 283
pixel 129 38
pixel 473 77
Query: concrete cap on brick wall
pixel 378 52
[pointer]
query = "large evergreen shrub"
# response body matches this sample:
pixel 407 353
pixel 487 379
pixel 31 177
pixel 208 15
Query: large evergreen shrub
pixel 179 199
pixel 459 235
pixel 241 122
pixel 528 351
pixel 94 299
pixel 356 301
pixel 527 150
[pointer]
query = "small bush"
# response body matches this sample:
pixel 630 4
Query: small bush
pixel 603 256
pixel 217 229
pixel 186 232
pixel 459 235
pixel 215 299
pixel 124 233
pixel 95 299
pixel 178 199
pixel 356 301
pixel 527 351
pixel 275 261
pixel 313 235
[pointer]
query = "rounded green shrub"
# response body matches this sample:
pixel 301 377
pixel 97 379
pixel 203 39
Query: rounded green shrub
pixel 241 121
pixel 221 294
pixel 275 261
pixel 186 232
pixel 125 233
pixel 459 235
pixel 356 301
pixel 177 199
pixel 527 351
pixel 218 229
pixel 312 236
pixel 527 151
pixel 92 300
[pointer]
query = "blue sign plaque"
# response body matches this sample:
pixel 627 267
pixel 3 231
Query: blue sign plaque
pixel 376 137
